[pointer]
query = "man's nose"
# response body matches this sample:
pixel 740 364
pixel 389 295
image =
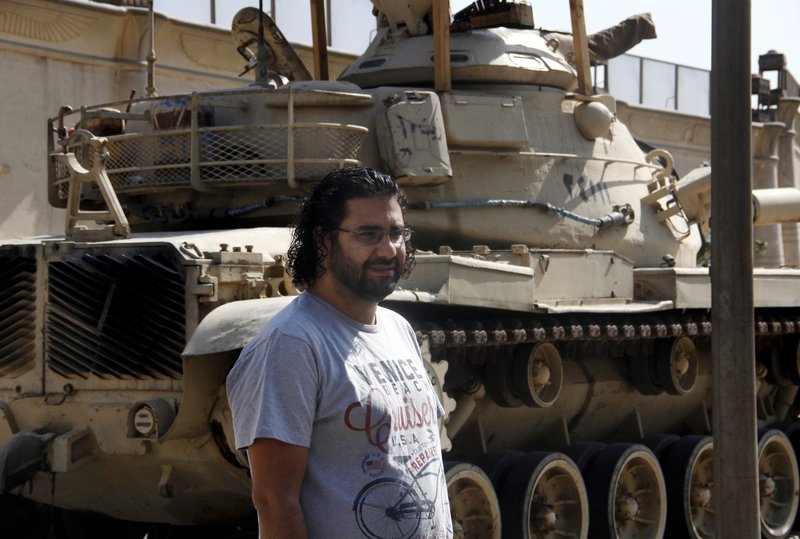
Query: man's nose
pixel 387 247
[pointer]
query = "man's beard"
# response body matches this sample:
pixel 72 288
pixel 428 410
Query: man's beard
pixel 357 278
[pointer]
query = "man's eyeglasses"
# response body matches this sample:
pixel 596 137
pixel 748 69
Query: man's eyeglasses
pixel 373 236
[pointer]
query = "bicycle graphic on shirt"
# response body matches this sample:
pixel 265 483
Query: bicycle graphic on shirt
pixel 389 508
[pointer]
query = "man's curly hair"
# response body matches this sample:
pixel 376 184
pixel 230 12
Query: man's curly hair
pixel 323 211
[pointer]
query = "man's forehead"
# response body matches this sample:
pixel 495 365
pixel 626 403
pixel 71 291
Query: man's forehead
pixel 373 207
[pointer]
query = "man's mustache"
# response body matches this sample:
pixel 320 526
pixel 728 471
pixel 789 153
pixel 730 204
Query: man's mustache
pixel 381 262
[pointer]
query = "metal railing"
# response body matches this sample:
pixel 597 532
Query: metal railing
pixel 655 83
pixel 183 148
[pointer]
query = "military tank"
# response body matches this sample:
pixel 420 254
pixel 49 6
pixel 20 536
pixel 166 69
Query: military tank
pixel 557 295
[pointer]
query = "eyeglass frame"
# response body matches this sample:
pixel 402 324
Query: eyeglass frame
pixel 403 234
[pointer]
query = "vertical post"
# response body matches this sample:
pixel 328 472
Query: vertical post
pixel 319 40
pixel 150 90
pixel 329 21
pixel 262 73
pixel 213 9
pixel 441 46
pixel 736 494
pixel 580 45
pixel 641 81
pixel 194 145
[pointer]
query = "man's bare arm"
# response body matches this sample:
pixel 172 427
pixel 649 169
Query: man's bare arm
pixel 278 469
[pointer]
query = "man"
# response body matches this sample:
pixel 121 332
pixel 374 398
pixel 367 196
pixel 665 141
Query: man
pixel 331 399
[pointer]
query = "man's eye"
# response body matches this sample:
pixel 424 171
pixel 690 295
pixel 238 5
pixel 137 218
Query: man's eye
pixel 370 236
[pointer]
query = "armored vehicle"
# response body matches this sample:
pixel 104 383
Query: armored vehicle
pixel 557 295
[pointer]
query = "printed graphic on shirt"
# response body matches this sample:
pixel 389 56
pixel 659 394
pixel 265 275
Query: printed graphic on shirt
pixel 397 406
pixel 373 465
pixel 398 416
pixel 389 508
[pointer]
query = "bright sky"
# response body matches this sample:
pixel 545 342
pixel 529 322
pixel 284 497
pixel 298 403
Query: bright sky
pixel 684 26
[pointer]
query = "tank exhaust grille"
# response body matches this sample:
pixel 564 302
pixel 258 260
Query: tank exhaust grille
pixel 116 315
pixel 18 314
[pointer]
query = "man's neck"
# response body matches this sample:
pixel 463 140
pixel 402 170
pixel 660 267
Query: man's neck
pixel 357 308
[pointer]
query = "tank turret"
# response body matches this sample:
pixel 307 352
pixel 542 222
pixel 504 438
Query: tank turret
pixel 186 161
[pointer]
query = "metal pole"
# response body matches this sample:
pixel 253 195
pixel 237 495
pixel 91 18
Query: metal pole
pixel 442 76
pixel 736 494
pixel 213 9
pixel 262 73
pixel 641 81
pixel 319 39
pixel 580 46
pixel 150 90
pixel 328 21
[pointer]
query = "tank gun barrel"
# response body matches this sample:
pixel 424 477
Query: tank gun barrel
pixel 770 206
pixel 777 205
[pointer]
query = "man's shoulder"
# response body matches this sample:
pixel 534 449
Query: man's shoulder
pixel 302 320
pixel 291 321
pixel 289 330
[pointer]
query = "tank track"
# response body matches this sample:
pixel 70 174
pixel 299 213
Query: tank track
pixel 450 334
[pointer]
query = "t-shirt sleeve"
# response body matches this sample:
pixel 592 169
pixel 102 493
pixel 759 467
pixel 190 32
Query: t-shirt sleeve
pixel 272 391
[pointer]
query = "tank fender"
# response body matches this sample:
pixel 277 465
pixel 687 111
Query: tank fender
pixel 232 325
pixel 8 426
pixel 203 382
pixel 209 355
pixel 21 457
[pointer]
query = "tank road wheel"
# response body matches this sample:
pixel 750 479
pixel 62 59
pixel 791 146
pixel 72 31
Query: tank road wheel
pixel 659 443
pixel 497 464
pixel 538 375
pixel 498 382
pixel 544 497
pixel 583 454
pixel 627 495
pixel 689 473
pixel 474 508
pixel 676 365
pixel 644 375
pixel 778 483
pixel 792 430
pixel 785 361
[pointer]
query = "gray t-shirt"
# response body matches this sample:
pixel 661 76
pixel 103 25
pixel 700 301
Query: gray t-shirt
pixel 358 397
